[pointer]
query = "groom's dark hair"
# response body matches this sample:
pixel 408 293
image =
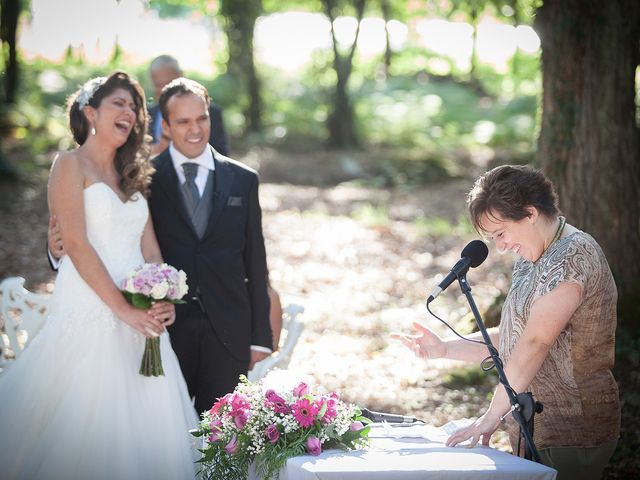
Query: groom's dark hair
pixel 179 88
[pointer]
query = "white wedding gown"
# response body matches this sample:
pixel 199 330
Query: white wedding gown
pixel 74 406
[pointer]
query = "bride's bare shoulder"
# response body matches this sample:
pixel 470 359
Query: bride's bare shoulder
pixel 67 169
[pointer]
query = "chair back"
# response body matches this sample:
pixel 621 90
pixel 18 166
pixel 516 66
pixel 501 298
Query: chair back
pixel 292 327
pixel 22 315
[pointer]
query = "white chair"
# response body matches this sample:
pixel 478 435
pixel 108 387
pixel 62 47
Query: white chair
pixel 292 327
pixel 22 315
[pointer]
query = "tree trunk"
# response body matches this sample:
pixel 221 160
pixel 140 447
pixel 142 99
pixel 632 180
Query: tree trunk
pixel 241 16
pixel 340 123
pixel 8 29
pixel 386 16
pixel 589 143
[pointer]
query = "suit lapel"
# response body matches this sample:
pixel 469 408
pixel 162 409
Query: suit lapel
pixel 168 181
pixel 223 181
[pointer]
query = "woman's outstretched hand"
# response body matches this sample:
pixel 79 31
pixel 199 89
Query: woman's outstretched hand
pixel 482 427
pixel 425 343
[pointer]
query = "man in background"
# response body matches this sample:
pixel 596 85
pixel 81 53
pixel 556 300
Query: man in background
pixel 163 70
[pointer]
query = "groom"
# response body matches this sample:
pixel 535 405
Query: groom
pixel 207 219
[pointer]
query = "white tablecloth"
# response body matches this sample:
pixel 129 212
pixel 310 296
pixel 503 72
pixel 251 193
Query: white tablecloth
pixel 419 455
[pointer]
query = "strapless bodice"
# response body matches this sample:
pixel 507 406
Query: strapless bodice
pixel 114 227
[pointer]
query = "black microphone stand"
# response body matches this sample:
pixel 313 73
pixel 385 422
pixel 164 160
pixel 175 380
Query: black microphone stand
pixel 523 407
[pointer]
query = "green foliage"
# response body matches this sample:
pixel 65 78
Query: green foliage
pixel 439 227
pixel 371 215
pixel 468 376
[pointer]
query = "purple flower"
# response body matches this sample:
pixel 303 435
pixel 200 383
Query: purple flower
pixel 313 446
pixel 240 419
pixel 355 426
pixel 216 429
pixel 232 447
pixel 276 402
pixel 301 390
pixel 272 433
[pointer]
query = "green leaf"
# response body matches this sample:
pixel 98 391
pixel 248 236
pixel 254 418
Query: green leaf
pixel 139 300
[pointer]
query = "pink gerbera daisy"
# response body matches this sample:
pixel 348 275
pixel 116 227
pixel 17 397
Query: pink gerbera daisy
pixel 304 411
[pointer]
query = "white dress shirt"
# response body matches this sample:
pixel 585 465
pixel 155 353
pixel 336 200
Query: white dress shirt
pixel 204 162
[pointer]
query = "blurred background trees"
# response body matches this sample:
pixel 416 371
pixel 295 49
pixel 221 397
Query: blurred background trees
pixel 426 115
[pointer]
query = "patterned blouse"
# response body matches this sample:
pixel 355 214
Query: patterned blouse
pixel 575 383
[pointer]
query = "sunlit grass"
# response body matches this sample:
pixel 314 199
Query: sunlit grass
pixel 439 226
pixel 371 215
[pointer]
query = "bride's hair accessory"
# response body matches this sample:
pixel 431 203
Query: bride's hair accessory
pixel 88 90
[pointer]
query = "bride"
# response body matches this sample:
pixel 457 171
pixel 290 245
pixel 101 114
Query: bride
pixel 74 406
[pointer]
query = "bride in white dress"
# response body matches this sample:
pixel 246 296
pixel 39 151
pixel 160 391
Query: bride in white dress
pixel 74 406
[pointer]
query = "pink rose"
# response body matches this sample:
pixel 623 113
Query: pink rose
pixel 301 390
pixel 313 446
pixel 232 447
pixel 272 433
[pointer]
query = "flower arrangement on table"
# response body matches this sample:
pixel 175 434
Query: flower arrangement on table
pixel 146 284
pixel 266 428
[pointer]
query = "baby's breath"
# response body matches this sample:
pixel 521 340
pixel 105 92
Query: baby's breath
pixel 266 428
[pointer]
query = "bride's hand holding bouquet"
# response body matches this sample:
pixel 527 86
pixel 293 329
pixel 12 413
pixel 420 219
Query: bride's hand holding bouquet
pixel 156 288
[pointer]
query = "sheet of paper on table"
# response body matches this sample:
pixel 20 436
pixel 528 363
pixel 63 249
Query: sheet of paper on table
pixel 418 430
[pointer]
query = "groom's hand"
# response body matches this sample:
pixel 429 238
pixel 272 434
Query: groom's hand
pixel 165 312
pixel 54 238
pixel 256 356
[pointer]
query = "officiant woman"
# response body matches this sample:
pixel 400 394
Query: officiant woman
pixel 557 330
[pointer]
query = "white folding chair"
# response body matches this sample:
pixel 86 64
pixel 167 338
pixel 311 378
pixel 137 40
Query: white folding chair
pixel 292 327
pixel 22 315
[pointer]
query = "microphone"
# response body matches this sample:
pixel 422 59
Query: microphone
pixel 378 417
pixel 472 255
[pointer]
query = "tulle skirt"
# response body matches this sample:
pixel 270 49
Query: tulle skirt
pixel 73 406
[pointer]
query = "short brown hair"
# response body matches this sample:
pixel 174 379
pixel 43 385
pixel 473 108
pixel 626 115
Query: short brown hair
pixel 132 158
pixel 507 190
pixel 180 87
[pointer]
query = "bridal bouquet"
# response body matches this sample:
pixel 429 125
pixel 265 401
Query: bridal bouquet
pixel 150 283
pixel 265 428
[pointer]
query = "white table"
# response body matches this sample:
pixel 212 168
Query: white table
pixel 414 459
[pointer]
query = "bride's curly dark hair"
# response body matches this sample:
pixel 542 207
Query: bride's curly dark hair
pixel 132 158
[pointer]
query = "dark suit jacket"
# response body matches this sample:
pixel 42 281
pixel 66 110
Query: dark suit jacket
pixel 217 135
pixel 227 267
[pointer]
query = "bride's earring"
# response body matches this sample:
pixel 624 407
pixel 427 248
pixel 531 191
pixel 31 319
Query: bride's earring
pixel 93 130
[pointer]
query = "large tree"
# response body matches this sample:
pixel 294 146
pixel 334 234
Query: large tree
pixel 340 122
pixel 240 18
pixel 9 14
pixel 589 143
